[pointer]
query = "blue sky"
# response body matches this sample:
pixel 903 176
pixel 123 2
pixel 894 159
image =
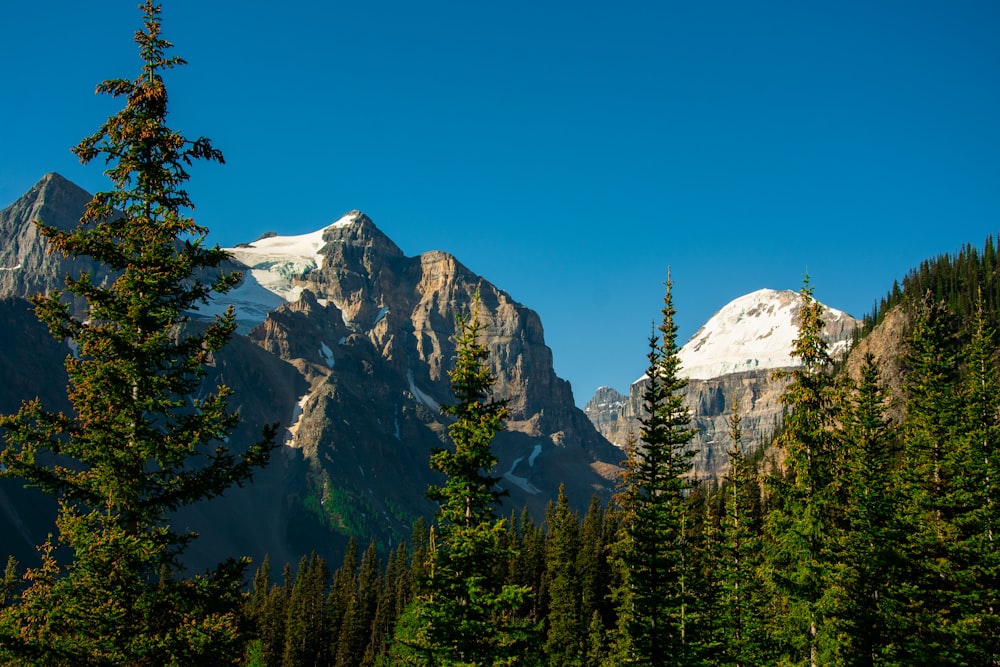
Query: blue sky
pixel 567 151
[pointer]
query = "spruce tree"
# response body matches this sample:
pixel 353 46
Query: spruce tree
pixel 567 625
pixel 463 614
pixel 982 480
pixel 652 551
pixel 800 524
pixel 868 571
pixel 934 459
pixel 740 597
pixel 145 437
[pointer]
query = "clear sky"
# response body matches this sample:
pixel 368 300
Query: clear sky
pixel 567 151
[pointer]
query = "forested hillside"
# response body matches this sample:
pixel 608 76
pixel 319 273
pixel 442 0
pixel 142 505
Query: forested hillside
pixel 873 542
pixel 868 541
pixel 955 278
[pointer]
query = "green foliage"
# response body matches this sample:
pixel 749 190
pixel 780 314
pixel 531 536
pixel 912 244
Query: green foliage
pixel 741 622
pixel 653 550
pixel 464 612
pixel 567 619
pixel 145 438
pixel 802 521
pixel 958 280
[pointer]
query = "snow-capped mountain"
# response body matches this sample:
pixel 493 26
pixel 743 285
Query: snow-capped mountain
pixel 755 332
pixel 730 360
pixel 346 342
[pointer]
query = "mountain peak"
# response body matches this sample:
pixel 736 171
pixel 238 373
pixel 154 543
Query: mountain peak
pixel 754 332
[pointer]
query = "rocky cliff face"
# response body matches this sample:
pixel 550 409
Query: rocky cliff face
pixel 26 268
pixel 372 331
pixel 346 342
pixel 731 361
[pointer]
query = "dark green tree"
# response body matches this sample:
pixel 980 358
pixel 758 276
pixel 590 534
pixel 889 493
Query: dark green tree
pixel 934 457
pixel 567 624
pixel 356 629
pixel 982 479
pixel 741 620
pixel 801 523
pixel 145 437
pixel 306 627
pixel 868 568
pixel 652 551
pixel 464 612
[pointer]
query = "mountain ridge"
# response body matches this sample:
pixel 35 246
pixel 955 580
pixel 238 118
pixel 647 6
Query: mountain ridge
pixel 730 362
pixel 354 367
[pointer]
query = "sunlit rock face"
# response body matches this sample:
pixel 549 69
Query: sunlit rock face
pixel 346 343
pixel 733 361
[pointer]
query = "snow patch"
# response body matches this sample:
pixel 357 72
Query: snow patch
pixel 326 353
pixel 293 427
pixel 251 300
pixel 421 396
pixel 10 268
pixel 534 455
pixel 381 315
pixel 517 480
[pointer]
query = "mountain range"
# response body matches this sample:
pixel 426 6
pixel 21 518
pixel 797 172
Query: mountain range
pixel 346 342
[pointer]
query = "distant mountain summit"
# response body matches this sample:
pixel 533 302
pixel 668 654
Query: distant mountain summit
pixel 25 266
pixel 730 361
pixel 756 332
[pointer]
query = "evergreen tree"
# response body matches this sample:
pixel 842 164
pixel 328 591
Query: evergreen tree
pixel 567 625
pixel 800 525
pixel 982 480
pixel 935 456
pixel 266 610
pixel 868 570
pixel 593 564
pixel 144 438
pixel 306 631
pixel 652 551
pixel 740 597
pixel 464 613
pixel 356 630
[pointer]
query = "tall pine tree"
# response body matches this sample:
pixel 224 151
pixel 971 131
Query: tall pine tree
pixel 652 551
pixel 800 524
pixel 868 569
pixel 145 437
pixel 741 623
pixel 463 614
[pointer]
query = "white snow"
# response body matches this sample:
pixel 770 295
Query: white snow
pixel 381 315
pixel 10 268
pixel 274 264
pixel 326 353
pixel 251 301
pixel 755 331
pixel 517 480
pixel 534 455
pixel 293 426
pixel 421 396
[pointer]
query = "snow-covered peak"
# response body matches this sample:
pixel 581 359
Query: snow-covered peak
pixel 755 331
pixel 275 261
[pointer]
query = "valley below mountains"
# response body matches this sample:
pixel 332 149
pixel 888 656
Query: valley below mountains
pixel 347 343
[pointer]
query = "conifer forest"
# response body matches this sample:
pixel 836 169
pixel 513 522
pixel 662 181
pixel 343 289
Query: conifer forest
pixel 864 534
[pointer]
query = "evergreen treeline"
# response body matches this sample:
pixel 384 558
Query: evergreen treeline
pixel 873 543
pixel 954 279
pixel 870 542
